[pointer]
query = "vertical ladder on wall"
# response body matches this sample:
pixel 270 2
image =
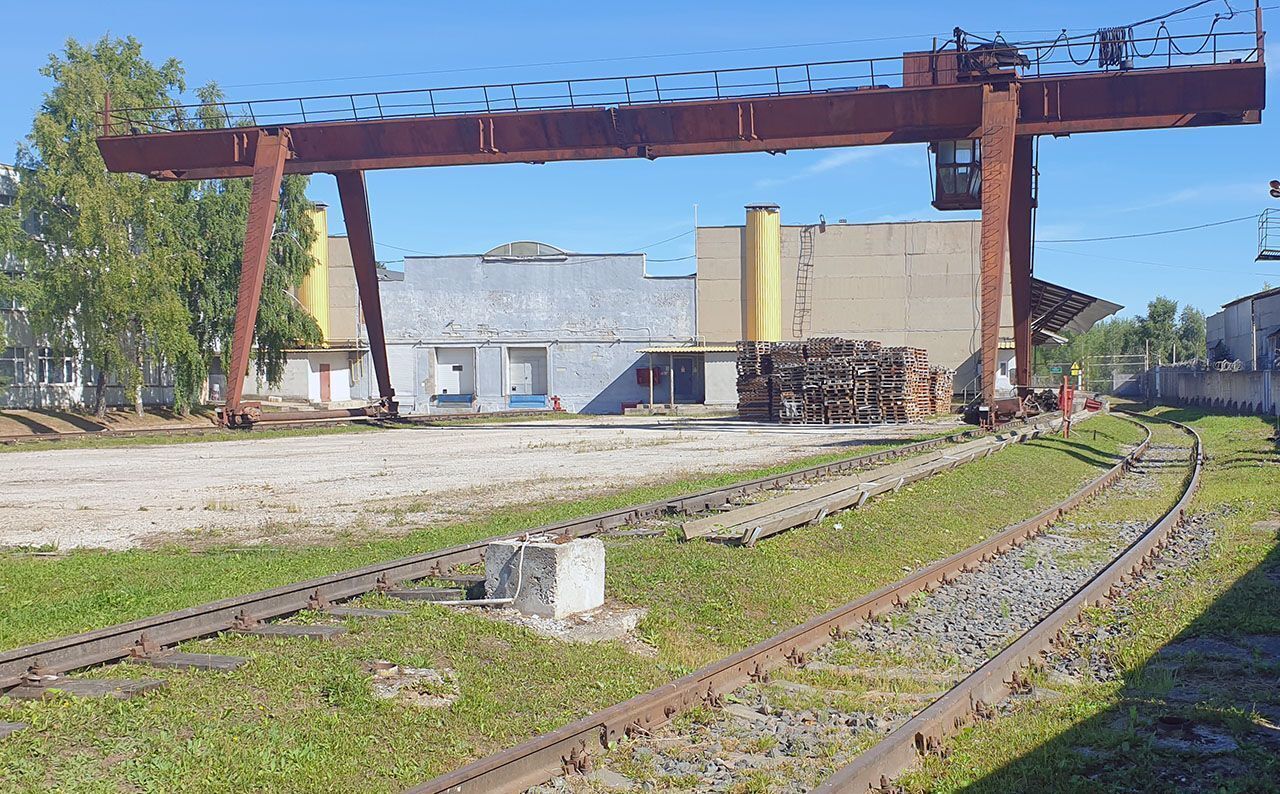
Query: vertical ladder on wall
pixel 804 284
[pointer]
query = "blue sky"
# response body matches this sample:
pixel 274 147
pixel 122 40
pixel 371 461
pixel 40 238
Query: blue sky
pixel 1091 185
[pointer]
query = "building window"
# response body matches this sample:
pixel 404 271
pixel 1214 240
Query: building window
pixel 156 373
pixel 53 367
pixel 13 366
pixel 11 271
pixel 1004 367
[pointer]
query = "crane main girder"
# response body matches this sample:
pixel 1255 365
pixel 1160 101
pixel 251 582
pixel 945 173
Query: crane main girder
pixel 1184 96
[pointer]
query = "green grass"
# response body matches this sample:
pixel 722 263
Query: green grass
pixel 1100 737
pixel 300 717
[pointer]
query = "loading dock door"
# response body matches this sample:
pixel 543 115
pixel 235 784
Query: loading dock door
pixel 455 374
pixel 527 376
pixel 449 378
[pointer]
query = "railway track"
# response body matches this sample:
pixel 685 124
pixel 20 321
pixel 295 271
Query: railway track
pixel 871 748
pixel 32 669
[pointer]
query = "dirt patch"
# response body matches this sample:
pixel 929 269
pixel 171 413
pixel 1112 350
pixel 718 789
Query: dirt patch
pixel 424 687
pixel 320 489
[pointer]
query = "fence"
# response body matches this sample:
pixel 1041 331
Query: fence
pixel 1236 392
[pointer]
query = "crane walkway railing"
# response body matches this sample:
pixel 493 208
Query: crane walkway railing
pixel 1062 56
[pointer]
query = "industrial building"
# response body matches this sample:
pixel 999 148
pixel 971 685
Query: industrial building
pixel 35 372
pixel 913 283
pixel 526 324
pixel 1246 330
pixel 331 374
pixel 529 325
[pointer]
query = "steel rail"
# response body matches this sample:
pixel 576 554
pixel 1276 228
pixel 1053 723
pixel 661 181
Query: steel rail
pixel 992 682
pixel 567 749
pixel 122 640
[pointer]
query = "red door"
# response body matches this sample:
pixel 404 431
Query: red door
pixel 324 383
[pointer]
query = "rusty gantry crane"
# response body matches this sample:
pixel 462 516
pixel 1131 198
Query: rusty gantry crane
pixel 987 100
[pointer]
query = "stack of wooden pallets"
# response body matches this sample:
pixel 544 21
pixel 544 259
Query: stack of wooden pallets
pixel 829 380
pixel 754 366
pixel 941 389
pixel 904 384
pixel 787 386
pixel 837 390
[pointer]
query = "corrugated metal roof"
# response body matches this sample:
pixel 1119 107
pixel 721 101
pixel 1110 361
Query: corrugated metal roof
pixel 691 349
pixel 1055 309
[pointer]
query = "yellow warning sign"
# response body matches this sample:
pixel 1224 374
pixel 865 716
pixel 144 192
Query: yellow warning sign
pixel 1075 369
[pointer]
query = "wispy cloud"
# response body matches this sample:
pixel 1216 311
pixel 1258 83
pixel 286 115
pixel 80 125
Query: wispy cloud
pixel 896 155
pixel 1208 192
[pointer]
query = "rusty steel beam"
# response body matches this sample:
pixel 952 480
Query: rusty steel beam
pixel 999 120
pixel 1020 225
pixel 355 211
pixel 271 150
pixel 1140 99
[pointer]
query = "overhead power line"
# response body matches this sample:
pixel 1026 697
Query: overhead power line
pixel 1154 234
pixel 1219 271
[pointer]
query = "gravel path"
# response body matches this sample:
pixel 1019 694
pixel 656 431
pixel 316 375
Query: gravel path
pixel 313 489
pixel 788 735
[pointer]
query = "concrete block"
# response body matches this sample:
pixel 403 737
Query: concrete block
pixel 555 579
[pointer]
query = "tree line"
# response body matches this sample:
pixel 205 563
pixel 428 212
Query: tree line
pixel 1166 333
pixel 122 271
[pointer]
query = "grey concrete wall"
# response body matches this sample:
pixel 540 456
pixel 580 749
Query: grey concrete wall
pixel 901 283
pixel 594 313
pixel 1247 392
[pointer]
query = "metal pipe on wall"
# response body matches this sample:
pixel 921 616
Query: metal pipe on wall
pixel 763 274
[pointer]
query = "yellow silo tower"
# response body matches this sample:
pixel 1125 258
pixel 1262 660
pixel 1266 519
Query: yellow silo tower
pixel 313 294
pixel 763 273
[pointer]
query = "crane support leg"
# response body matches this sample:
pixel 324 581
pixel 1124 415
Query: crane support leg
pixel 1020 220
pixel 999 118
pixel 264 198
pixel 355 210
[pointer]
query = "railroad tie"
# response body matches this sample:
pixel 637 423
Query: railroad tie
pixel 318 632
pixel 191 661
pixel 361 612
pixel 428 593
pixel 120 689
pixel 10 728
